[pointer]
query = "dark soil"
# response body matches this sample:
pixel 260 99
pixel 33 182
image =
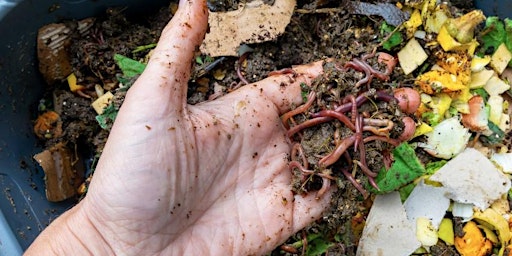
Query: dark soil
pixel 309 36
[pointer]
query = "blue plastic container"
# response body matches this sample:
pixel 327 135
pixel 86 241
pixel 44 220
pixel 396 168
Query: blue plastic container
pixel 501 8
pixel 24 211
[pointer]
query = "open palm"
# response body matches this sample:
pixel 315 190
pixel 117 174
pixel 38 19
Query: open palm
pixel 205 179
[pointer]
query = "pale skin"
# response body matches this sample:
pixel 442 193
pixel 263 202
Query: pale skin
pixel 176 179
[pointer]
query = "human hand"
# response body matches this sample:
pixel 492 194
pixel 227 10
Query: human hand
pixel 212 178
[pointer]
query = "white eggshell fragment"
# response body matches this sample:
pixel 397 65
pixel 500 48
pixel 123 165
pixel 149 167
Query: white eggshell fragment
pixel 472 178
pixel 387 230
pixel 464 211
pixel 427 201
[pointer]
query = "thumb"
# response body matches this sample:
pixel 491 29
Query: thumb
pixel 169 67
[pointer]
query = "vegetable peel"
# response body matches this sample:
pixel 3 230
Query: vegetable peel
pixel 497 222
pixel 473 243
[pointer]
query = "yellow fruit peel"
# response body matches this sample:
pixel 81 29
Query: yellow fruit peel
pixel 448 43
pixel 102 102
pixel 445 232
pixel 413 23
pixel 422 129
pixel 440 103
pixel 435 20
pixel 473 243
pixel 480 78
pixel 426 232
pixel 495 103
pixel 479 63
pixel 73 86
pixel 437 80
pixel 497 222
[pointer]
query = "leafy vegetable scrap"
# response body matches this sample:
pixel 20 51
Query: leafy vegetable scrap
pixel 405 169
pixel 107 112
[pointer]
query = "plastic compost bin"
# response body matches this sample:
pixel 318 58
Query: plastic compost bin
pixel 501 8
pixel 24 210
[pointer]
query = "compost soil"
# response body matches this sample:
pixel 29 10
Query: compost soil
pixel 310 36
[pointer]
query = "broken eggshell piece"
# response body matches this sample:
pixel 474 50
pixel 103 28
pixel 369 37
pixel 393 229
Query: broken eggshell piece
pixel 387 230
pixel 471 177
pixel 427 201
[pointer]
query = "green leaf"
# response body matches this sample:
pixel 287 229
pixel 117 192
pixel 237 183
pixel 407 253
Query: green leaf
pixel 432 167
pixel 318 246
pixel 482 92
pixel 304 92
pixel 405 169
pixel 494 34
pixel 107 118
pixel 496 137
pixel 199 60
pixel 392 40
pixel 508 36
pixel 431 118
pixel 130 67
pixel 405 191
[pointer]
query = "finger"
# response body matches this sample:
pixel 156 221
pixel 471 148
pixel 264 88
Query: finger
pixel 169 67
pixel 285 90
pixel 308 209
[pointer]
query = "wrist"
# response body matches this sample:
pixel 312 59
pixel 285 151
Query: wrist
pixel 72 233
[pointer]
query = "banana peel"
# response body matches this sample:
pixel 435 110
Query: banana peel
pixel 497 222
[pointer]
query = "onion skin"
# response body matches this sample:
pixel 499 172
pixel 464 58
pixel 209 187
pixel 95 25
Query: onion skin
pixel 409 129
pixel 408 99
